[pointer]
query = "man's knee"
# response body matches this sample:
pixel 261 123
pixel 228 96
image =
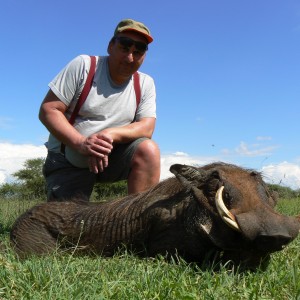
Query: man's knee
pixel 145 167
pixel 147 152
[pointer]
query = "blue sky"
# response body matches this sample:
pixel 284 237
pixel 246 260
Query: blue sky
pixel 227 75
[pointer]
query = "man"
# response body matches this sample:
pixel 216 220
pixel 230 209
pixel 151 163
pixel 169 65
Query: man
pixel 111 137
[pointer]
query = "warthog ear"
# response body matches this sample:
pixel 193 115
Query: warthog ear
pixel 188 176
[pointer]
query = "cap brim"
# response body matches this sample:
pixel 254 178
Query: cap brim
pixel 148 37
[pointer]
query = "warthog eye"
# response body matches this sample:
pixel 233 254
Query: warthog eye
pixel 228 199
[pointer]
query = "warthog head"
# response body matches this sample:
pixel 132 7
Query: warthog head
pixel 236 211
pixel 218 209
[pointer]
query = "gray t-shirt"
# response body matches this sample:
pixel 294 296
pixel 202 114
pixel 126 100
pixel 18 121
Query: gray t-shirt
pixel 107 105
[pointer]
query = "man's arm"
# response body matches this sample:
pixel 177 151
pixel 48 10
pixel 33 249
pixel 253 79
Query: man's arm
pixel 125 134
pixel 52 116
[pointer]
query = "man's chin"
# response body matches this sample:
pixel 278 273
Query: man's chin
pixel 127 75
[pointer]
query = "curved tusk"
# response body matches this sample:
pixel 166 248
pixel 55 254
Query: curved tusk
pixel 225 214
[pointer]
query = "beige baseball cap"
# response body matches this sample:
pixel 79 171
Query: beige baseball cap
pixel 132 25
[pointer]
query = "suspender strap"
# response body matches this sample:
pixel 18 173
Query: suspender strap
pixel 85 91
pixel 137 88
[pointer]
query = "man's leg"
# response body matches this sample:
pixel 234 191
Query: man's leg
pixel 66 182
pixel 145 167
pixel 137 162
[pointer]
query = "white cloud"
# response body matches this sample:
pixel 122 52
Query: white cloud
pixel 2 176
pixel 254 150
pixel 181 158
pixel 5 123
pixel 13 156
pixel 284 173
pixel 264 138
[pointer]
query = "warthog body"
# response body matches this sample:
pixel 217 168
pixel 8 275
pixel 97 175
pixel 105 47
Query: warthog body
pixel 181 215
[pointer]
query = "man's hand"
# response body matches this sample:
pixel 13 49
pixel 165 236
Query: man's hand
pixel 96 164
pixel 97 146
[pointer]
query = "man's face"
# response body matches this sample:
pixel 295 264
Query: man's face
pixel 126 54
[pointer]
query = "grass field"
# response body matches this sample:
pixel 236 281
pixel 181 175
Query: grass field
pixel 127 277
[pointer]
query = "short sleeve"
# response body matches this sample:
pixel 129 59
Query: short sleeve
pixel 68 83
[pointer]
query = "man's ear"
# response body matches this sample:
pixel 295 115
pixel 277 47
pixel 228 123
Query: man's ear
pixel 109 48
pixel 110 45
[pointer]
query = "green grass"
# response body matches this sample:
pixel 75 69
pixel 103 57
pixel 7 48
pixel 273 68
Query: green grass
pixel 127 277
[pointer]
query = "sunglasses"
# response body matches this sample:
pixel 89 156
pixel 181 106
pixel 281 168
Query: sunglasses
pixel 127 42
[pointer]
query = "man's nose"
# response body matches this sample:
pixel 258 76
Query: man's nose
pixel 129 55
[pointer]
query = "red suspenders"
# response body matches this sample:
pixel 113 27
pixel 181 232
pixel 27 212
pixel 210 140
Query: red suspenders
pixel 137 88
pixel 85 91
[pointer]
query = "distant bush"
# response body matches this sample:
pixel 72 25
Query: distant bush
pixel 105 191
pixel 284 192
pixel 30 182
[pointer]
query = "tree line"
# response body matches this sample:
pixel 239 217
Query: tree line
pixel 30 184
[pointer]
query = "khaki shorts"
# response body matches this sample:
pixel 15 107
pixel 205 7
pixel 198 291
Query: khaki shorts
pixel 64 181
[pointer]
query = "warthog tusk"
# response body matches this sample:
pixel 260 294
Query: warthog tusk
pixel 225 214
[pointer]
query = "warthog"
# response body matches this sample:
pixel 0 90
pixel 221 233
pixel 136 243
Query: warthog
pixel 220 209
